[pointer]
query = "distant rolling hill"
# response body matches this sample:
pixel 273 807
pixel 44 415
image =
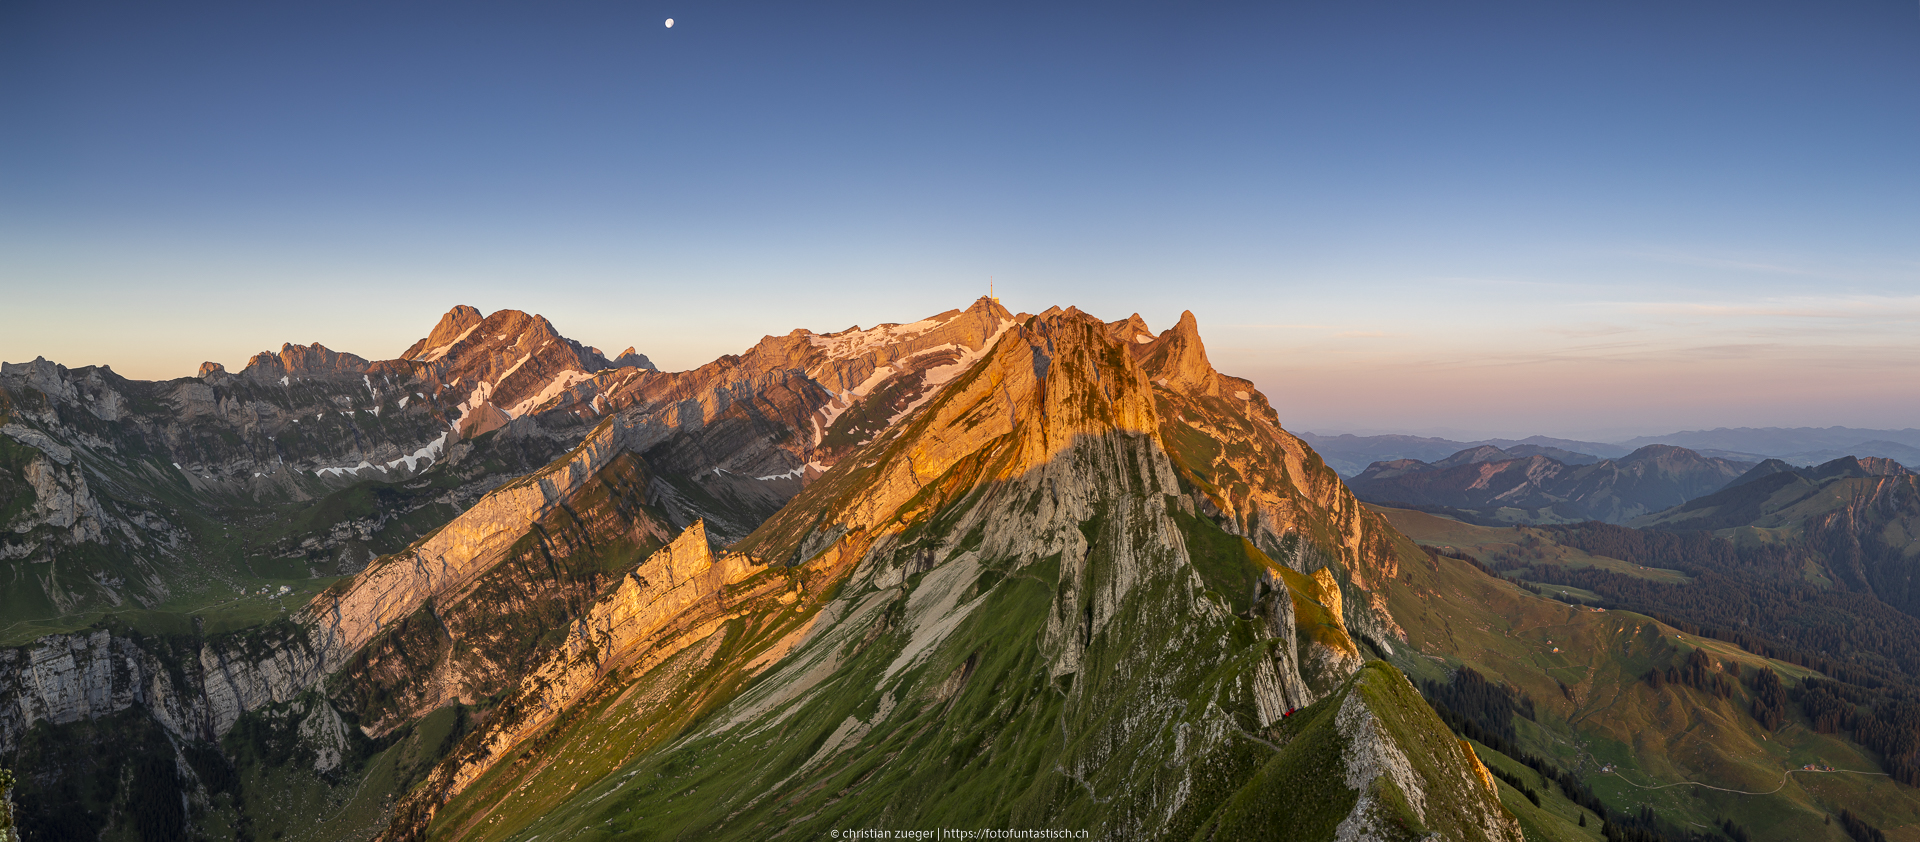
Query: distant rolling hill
pixel 1859 514
pixel 1649 659
pixel 1349 454
pixel 1533 487
pixel 1798 445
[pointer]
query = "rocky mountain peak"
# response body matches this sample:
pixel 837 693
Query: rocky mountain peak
pixel 1881 466
pixel 211 368
pixel 1178 359
pixel 509 364
pixel 1131 331
pixel 453 327
pixel 1472 455
pixel 631 358
pixel 1664 453
pixel 311 360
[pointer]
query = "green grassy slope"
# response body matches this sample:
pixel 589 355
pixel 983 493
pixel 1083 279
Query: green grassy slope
pixel 1595 711
pixel 977 733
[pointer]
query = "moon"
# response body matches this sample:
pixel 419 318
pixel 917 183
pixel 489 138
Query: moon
pixel 669 23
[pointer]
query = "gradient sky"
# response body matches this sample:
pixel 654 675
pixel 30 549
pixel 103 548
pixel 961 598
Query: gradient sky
pixel 1572 218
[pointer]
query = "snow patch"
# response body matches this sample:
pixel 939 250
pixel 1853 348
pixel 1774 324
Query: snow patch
pixel 510 371
pixel 560 383
pixel 939 376
pixel 850 397
pixel 793 474
pixel 475 399
pixel 429 454
pixel 404 399
pixel 441 351
pixel 1142 338
pixel 283 380
pixel 853 342
pixel 1242 395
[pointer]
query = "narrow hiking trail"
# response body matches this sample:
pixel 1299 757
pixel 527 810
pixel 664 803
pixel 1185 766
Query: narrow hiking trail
pixel 1783 780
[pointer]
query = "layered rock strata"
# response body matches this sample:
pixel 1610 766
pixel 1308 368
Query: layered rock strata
pixel 196 692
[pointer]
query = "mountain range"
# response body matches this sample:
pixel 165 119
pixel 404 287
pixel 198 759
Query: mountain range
pixel 1526 485
pixel 984 570
pixel 1804 446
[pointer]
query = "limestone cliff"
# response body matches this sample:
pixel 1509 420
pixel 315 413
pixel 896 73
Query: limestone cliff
pixel 195 691
pixel 675 598
pixel 1264 483
pixel 451 557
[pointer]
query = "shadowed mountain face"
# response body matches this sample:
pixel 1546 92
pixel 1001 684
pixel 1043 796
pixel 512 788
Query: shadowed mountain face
pixel 1538 488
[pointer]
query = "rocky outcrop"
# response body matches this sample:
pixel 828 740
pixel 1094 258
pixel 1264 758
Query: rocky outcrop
pixel 1445 787
pixel 62 501
pixel 631 358
pixel 198 692
pixel 1257 480
pixel 451 557
pixel 307 413
pixel 670 601
pixel 309 361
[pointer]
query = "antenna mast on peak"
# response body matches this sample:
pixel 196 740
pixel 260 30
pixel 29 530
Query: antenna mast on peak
pixel 990 290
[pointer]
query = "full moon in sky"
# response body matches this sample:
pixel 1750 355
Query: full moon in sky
pixel 669 23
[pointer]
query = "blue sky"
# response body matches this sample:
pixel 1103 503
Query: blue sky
pixel 1576 218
